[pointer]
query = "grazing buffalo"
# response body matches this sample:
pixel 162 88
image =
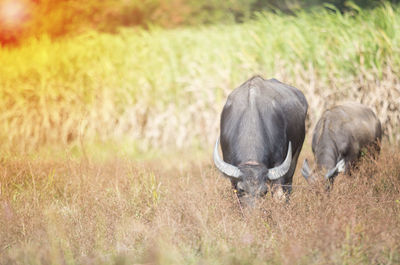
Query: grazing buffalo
pixel 262 133
pixel 339 138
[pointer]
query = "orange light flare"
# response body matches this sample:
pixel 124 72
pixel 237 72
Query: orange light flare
pixel 15 16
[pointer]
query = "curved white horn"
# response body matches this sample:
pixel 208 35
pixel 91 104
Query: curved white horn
pixel 306 170
pixel 224 167
pixel 340 167
pixel 282 169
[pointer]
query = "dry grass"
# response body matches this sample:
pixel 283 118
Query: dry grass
pixel 166 212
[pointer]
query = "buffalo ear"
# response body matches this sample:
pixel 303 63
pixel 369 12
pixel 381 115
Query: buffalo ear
pixel 306 170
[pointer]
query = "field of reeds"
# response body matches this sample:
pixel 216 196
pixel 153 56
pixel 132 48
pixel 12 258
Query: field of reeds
pixel 163 89
pixel 106 142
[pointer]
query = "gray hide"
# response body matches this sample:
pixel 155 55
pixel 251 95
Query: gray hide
pixel 339 137
pixel 259 122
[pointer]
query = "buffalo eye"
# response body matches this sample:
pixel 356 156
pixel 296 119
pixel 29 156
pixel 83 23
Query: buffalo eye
pixel 240 188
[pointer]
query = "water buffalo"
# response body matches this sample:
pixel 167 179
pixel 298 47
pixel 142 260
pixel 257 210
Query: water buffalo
pixel 262 133
pixel 339 138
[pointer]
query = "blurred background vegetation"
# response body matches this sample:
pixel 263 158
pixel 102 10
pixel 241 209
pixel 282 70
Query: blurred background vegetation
pixel 63 17
pixel 154 74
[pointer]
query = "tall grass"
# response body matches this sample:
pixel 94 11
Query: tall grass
pixel 165 88
pixel 121 212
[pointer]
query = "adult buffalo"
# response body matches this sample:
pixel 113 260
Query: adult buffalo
pixel 339 138
pixel 262 133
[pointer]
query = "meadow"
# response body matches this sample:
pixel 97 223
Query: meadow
pixel 172 212
pixel 106 141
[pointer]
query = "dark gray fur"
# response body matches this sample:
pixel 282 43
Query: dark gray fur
pixel 342 132
pixel 258 120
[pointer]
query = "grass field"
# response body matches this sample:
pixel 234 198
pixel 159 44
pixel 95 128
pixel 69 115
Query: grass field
pixel 106 142
pixel 169 211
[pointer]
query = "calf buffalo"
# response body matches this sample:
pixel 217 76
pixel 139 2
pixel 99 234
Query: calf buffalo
pixel 262 133
pixel 339 137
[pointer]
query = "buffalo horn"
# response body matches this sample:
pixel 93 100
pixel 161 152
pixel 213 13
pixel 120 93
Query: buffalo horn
pixel 224 167
pixel 282 169
pixel 306 170
pixel 340 166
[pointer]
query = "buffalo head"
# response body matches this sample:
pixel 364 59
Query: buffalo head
pixel 252 179
pixel 311 175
